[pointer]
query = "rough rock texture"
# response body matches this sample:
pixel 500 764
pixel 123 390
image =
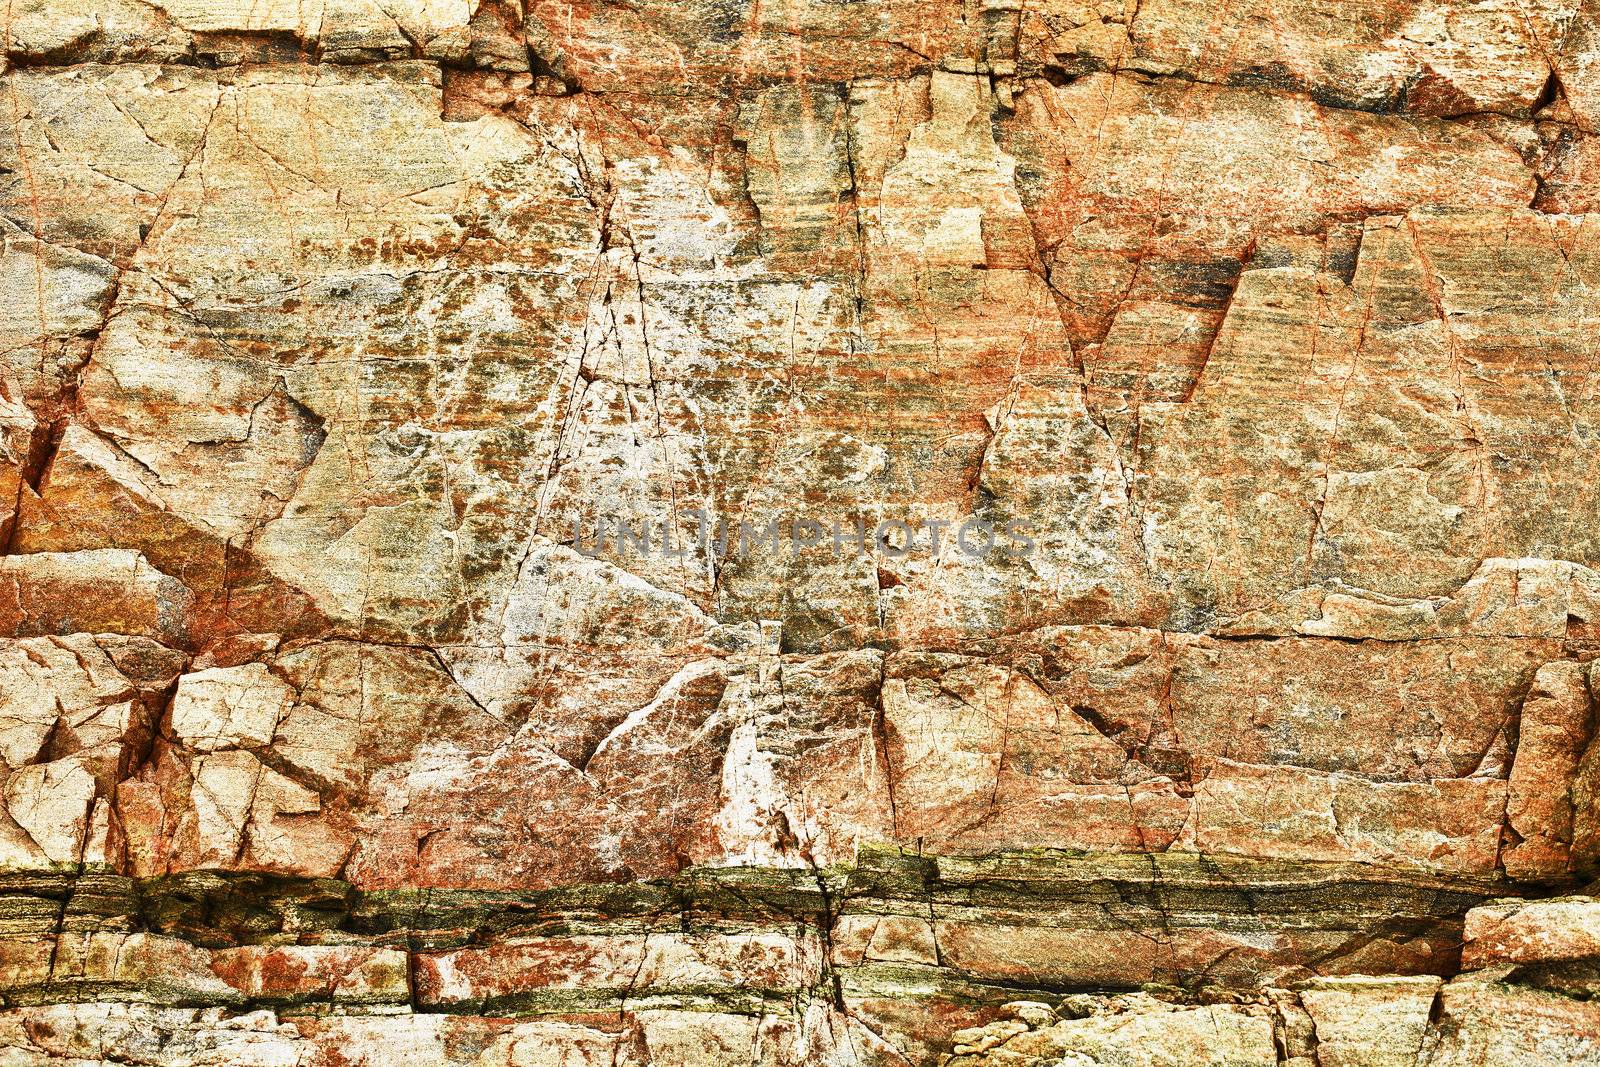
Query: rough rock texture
pixel 399 662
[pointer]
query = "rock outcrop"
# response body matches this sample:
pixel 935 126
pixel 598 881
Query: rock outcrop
pixel 978 532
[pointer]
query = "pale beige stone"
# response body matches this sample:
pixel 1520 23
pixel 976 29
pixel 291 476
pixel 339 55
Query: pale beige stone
pixel 51 803
pixel 1364 1021
pixel 1536 931
pixel 229 707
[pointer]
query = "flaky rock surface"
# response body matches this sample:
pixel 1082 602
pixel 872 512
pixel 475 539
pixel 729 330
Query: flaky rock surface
pixel 978 532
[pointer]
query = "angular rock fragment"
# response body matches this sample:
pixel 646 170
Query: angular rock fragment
pixel 1369 1022
pixel 1555 729
pixel 1539 931
pixel 97 591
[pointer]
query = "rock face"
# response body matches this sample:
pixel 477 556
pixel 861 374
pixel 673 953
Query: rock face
pixel 977 532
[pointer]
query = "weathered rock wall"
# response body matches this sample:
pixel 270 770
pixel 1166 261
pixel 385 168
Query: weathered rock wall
pixel 375 378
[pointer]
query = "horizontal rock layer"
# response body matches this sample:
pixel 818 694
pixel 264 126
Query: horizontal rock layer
pixel 984 532
pixel 1007 960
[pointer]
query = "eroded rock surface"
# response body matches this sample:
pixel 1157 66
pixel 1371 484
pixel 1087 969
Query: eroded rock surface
pixel 994 532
